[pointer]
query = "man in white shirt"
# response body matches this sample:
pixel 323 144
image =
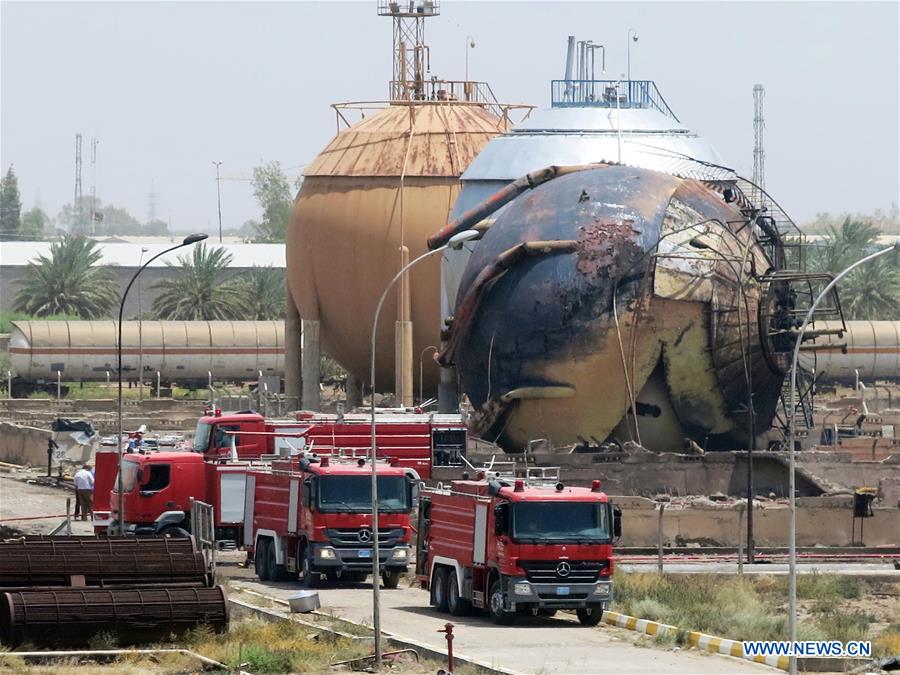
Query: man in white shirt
pixel 84 492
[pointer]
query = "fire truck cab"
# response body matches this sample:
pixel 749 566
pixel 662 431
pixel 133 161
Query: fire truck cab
pixel 312 517
pixel 511 546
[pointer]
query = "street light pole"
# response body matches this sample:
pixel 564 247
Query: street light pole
pixel 421 368
pixel 632 37
pixel 188 240
pixel 141 332
pixel 792 523
pixel 219 197
pixel 455 243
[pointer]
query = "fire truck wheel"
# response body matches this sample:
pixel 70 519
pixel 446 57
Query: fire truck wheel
pixel 260 557
pixel 175 532
pixel 590 615
pixel 439 589
pixel 311 579
pixel 499 615
pixel 457 605
pixel 276 572
pixel 390 579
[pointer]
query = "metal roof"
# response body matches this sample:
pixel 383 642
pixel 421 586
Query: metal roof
pixel 572 135
pixel 20 253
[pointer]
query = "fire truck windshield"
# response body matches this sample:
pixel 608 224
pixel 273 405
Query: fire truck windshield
pixel 353 494
pixel 129 476
pixel 201 437
pixel 543 522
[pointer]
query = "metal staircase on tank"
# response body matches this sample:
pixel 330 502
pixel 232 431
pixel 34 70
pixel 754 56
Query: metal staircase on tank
pixel 789 292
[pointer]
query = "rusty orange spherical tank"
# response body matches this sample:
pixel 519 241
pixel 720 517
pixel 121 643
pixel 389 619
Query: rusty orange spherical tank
pixel 385 182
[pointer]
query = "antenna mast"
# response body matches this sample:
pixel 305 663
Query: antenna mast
pixel 759 152
pixel 412 58
pixel 93 216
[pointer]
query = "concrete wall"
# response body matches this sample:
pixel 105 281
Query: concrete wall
pixel 23 445
pixel 826 521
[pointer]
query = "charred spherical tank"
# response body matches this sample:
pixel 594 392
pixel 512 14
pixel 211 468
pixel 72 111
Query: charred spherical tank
pixel 379 186
pixel 616 304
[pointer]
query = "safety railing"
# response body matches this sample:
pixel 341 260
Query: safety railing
pixel 203 528
pixel 608 94
pixel 409 8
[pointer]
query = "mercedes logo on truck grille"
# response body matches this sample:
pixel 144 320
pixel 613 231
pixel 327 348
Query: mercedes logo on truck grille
pixel 364 536
pixel 563 569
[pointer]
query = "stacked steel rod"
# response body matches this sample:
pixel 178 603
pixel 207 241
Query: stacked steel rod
pixel 66 589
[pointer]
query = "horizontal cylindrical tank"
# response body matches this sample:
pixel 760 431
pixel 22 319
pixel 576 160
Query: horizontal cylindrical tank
pixel 873 351
pixel 51 545
pixel 133 615
pixel 379 185
pixel 178 350
pixel 22 568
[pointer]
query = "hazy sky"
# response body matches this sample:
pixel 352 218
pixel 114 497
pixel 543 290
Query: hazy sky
pixel 168 87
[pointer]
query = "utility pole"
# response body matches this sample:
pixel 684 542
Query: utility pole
pixel 219 197
pixel 78 225
pixel 94 143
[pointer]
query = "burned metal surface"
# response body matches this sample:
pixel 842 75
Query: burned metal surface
pixel 682 266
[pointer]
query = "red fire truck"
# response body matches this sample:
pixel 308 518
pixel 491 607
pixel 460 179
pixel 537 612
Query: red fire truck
pixel 512 546
pixel 312 516
pixel 158 486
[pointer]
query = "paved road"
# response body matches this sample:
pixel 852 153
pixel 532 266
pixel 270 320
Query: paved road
pixel 535 645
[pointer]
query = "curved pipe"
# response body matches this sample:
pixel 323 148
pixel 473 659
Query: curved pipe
pixel 499 199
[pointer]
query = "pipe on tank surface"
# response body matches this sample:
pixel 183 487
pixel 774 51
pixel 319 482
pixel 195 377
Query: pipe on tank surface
pixel 499 199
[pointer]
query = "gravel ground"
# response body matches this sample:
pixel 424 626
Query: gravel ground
pixel 19 499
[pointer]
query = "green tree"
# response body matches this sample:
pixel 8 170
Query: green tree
pixel 10 206
pixel 198 291
pixel 264 294
pixel 69 281
pixel 109 219
pixel 273 192
pixel 870 292
pixel 33 224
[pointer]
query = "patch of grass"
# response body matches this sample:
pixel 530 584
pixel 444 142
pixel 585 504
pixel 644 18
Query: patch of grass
pixel 104 640
pixel 743 608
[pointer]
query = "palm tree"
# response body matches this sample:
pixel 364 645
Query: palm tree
pixel 264 293
pixel 197 290
pixel 69 281
pixel 867 293
pixel 873 292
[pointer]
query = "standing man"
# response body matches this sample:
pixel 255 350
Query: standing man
pixel 84 491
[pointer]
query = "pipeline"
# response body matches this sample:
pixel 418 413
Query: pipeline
pixel 101 569
pixel 134 615
pixel 499 199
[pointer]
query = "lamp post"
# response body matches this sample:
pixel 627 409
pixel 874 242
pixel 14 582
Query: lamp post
pixel 219 197
pixel 141 331
pixel 455 243
pixel 188 240
pixel 792 523
pixel 470 44
pixel 632 37
pixel 421 368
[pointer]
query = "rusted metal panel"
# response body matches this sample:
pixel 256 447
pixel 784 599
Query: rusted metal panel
pixel 428 139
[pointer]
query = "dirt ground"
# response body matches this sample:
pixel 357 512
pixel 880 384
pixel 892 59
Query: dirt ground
pixel 45 507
